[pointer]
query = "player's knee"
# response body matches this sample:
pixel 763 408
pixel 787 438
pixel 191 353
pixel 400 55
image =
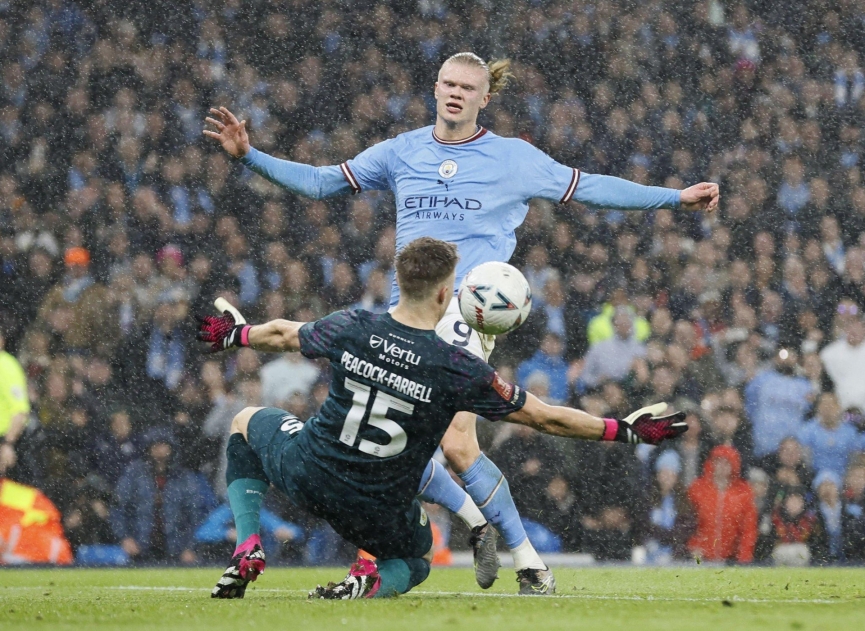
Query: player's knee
pixel 240 422
pixel 460 452
pixel 428 557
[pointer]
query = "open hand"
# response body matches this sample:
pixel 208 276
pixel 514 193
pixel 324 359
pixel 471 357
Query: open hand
pixel 702 196
pixel 230 132
pixel 646 425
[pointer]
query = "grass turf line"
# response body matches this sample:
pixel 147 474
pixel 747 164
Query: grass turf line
pixel 594 598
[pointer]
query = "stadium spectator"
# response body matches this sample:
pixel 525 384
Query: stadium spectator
pixel 724 508
pixel 14 406
pixel 829 438
pixel 115 449
pixel 286 376
pixel 799 537
pixel 776 401
pixel 216 535
pixel 726 428
pixel 788 466
pixel 761 487
pixel 548 360
pixel 86 518
pixel 827 486
pixel 157 505
pixel 602 327
pixel 844 359
pixel 853 515
pixel 612 358
pixel 670 519
pixel 607 490
pixel 73 309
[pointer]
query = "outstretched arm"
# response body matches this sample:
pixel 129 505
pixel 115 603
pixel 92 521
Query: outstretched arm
pixel 643 426
pixel 606 191
pixel 302 179
pixel 557 420
pixel 230 330
pixel 275 336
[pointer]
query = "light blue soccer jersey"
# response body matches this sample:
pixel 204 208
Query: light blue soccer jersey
pixel 473 192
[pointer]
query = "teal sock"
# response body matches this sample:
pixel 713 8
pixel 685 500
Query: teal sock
pixel 247 486
pixel 245 497
pixel 400 575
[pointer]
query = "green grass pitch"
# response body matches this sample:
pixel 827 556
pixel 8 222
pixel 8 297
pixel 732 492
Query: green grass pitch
pixel 595 598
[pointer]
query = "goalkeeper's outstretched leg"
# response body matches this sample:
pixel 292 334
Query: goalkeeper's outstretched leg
pixel 247 486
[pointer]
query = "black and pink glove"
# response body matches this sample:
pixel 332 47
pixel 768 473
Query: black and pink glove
pixel 646 426
pixel 222 332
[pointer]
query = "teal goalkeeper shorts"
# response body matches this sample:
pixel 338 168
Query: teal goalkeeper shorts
pixel 365 521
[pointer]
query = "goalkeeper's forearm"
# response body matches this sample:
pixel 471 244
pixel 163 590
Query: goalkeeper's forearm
pixel 558 420
pixel 275 336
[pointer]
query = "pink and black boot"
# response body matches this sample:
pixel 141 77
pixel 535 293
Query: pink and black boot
pixel 363 581
pixel 245 566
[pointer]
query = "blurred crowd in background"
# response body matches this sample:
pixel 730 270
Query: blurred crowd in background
pixel 119 220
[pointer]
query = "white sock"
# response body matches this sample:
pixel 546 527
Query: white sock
pixel 471 514
pixel 525 556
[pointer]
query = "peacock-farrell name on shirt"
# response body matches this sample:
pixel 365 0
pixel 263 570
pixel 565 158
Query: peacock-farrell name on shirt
pixel 371 371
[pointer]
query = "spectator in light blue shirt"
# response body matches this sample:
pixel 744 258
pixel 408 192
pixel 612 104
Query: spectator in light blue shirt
pixel 776 401
pixel 219 527
pixel 548 360
pixel 830 439
pixel 793 194
pixel 612 359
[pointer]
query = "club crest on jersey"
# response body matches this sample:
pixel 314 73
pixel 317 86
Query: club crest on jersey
pixel 448 169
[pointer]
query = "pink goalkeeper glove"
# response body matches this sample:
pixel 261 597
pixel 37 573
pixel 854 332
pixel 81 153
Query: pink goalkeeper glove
pixel 645 426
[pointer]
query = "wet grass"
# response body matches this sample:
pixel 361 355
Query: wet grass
pixel 596 598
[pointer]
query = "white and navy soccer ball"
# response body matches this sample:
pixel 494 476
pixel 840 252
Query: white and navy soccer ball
pixel 495 298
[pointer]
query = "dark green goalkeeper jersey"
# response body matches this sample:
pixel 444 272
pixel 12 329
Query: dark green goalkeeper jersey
pixel 393 393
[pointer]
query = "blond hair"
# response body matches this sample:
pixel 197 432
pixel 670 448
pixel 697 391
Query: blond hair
pixel 498 70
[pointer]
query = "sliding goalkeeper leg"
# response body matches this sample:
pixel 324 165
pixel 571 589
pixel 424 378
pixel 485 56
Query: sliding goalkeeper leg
pixel 247 486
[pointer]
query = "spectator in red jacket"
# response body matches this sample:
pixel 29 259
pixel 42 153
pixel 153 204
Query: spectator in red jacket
pixel 725 511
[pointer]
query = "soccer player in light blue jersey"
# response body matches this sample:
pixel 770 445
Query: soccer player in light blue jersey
pixel 459 182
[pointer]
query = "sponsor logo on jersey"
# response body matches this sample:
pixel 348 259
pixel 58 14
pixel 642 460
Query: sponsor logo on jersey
pixel 391 350
pixel 507 391
pixel 448 169
pixel 443 202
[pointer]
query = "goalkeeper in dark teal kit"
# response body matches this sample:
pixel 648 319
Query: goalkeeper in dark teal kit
pixel 395 388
